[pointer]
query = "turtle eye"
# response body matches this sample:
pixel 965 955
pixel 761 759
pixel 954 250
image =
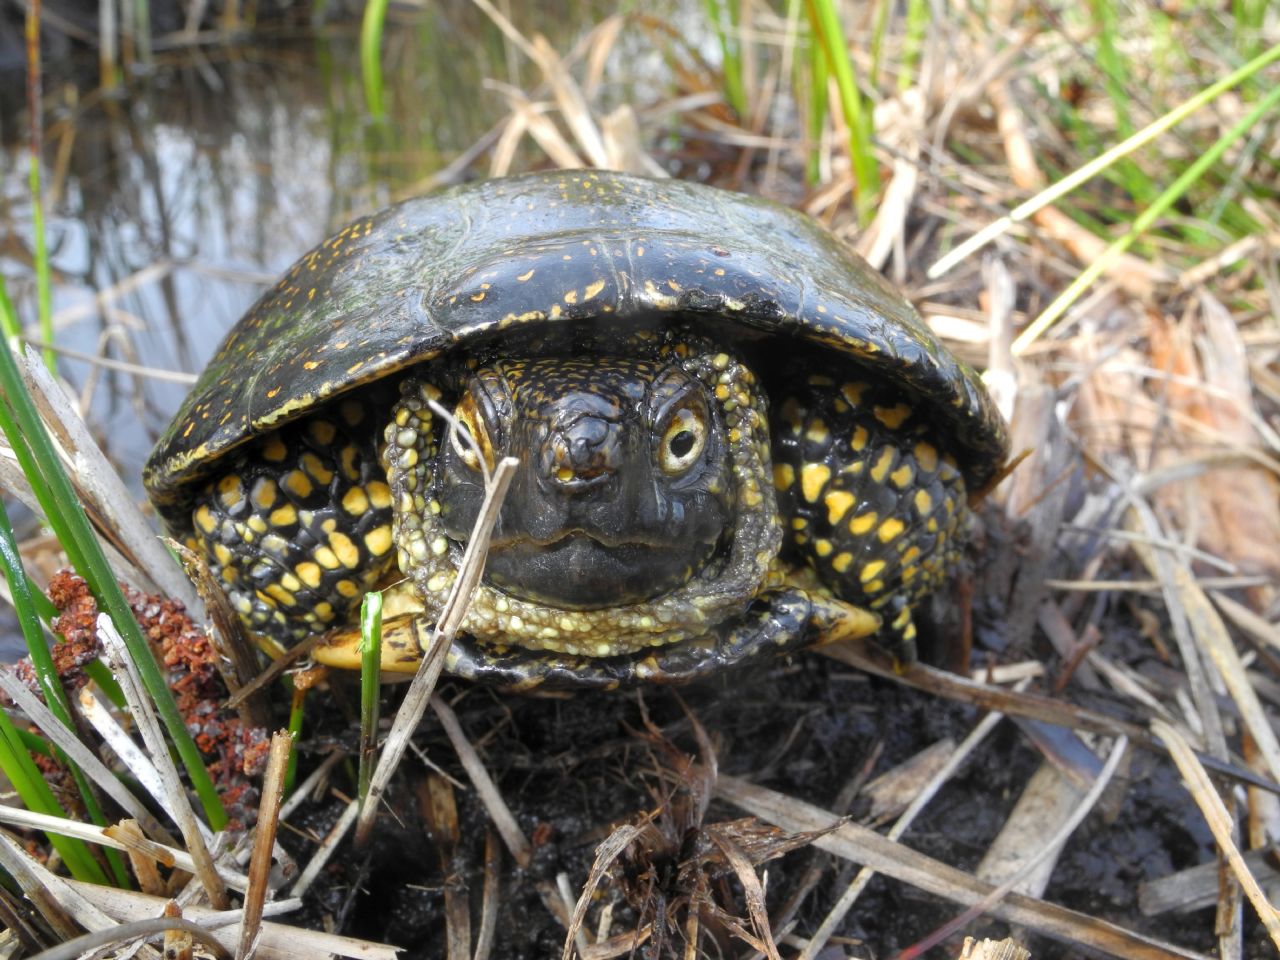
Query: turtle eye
pixel 683 440
pixel 467 434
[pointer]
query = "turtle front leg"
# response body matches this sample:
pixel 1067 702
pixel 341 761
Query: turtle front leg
pixel 298 528
pixel 868 500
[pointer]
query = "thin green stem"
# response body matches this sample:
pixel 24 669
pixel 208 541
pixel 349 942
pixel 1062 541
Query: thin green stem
pixel 370 666
pixel 1143 221
pixel 371 27
pixel 39 462
pixel 826 26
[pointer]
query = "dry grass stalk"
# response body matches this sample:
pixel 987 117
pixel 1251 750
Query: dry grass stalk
pixel 862 845
pixel 179 943
pixel 122 934
pixel 100 487
pixel 81 755
pixel 44 897
pixel 486 789
pixel 278 941
pixel 1047 852
pixel 264 839
pixel 178 805
pixel 992 950
pixel 111 837
pixel 436 802
pixel 141 858
pixel 1219 822
pixel 129 753
pixel 1199 887
pixel 236 660
pixel 849 896
pixel 414 705
pixel 490 899
pixel 323 853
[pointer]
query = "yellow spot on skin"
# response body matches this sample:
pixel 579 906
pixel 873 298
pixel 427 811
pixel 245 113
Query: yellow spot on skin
pixel 205 520
pixel 883 464
pixel 378 540
pixel 310 364
pixel 924 502
pixel 818 432
pixel 230 491
pixel 892 417
pixel 355 502
pixel 890 529
pixel 477 297
pixel 257 524
pixel 347 588
pixel 871 571
pixel 863 523
pixel 813 477
pixel 327 558
pixel 298 484
pixel 324 610
pixel 571 297
pixel 926 456
pixel 347 463
pixel 322 432
pixel 592 289
pixel 799 523
pixel 822 547
pixel 901 477
pixel 838 503
pixel 309 573
pixel 852 392
pixel 842 561
pixel 264 493
pixel 910 555
pixel 858 442
pixel 784 476
pixel 352 413
pixel 285 516
pixel 315 466
pixel 525 276
pixel 379 495
pixel 222 555
pixel 281 595
pixel 346 551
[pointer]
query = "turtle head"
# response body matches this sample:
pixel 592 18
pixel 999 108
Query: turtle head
pixel 641 513
pixel 622 490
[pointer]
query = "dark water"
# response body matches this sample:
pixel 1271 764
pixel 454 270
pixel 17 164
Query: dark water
pixel 171 205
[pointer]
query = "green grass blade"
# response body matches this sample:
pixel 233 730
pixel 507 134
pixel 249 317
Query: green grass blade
pixel 34 115
pixel 371 27
pixel 39 461
pixel 370 667
pixel 817 112
pixel 46 673
pixel 913 41
pixel 723 15
pixel 296 714
pixel 825 22
pixel 1144 220
pixel 1101 162
pixel 36 795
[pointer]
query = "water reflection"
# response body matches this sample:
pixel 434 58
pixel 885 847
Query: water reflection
pixel 171 205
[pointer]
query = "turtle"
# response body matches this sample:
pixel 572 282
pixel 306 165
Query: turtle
pixel 733 437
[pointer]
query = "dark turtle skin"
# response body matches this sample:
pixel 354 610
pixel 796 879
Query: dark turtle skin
pixel 734 437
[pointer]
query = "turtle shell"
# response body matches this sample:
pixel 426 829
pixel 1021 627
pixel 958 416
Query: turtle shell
pixel 419 279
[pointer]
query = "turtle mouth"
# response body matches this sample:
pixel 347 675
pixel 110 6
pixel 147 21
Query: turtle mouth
pixel 582 571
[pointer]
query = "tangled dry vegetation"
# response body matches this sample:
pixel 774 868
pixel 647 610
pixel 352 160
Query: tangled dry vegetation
pixel 1125 610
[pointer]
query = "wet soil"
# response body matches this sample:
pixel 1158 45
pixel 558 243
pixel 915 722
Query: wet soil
pixel 573 769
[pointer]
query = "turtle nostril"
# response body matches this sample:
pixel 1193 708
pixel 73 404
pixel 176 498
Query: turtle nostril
pixel 587 449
